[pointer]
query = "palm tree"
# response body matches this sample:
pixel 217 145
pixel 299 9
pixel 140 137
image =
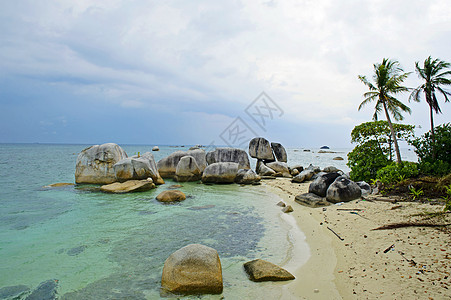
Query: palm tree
pixel 388 77
pixel 434 75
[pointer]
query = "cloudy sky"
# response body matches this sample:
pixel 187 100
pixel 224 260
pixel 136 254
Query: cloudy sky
pixel 182 72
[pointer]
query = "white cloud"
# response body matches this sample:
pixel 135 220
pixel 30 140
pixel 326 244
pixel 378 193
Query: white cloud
pixel 218 57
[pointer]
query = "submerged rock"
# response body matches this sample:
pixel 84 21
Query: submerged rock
pixel 155 148
pixel 45 291
pixel 171 196
pixel 14 292
pixel 229 155
pixel 262 270
pixel 194 269
pixel 95 164
pixel 128 186
pixel 260 148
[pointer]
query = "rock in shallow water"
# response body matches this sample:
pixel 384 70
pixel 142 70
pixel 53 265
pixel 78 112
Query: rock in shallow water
pixel 223 172
pixel 171 196
pixel 128 186
pixel 194 269
pixel 13 292
pixel 95 164
pixel 261 270
pixel 45 291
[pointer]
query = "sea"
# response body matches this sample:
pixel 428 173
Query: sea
pixel 107 246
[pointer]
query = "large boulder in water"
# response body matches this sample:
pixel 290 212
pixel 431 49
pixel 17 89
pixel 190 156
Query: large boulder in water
pixel 260 148
pixel 95 164
pixel 229 155
pixel 194 269
pixel 168 166
pixel 343 190
pixel 279 152
pixel 137 168
pixel 280 167
pixel 129 186
pixel 320 185
pixel 223 172
pixel 262 270
pixel 247 176
pixel 187 170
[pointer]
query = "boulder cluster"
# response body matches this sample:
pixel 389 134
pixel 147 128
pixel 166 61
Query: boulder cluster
pixel 196 269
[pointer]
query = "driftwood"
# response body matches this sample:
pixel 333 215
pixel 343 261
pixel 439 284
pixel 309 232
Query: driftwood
pixel 350 209
pixel 341 239
pixel 410 224
pixel 389 248
pixel 411 261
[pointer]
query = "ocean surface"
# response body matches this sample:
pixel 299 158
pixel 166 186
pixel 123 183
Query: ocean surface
pixel 104 246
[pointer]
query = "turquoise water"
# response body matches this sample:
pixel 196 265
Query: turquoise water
pixel 102 246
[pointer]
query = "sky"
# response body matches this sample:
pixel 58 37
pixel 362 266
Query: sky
pixel 193 72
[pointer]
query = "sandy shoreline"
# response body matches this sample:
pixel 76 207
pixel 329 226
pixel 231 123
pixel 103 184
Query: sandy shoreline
pixel 417 267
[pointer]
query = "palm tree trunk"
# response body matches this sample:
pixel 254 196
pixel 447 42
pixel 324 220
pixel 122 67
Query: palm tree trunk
pixel 393 135
pixel 432 131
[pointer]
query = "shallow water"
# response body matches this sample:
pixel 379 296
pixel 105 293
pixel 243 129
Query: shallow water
pixel 102 246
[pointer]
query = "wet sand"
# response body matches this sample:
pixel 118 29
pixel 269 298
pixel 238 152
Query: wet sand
pixel 417 266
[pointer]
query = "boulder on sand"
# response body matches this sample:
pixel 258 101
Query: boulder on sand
pixel 365 187
pixel 95 164
pixel 320 185
pixel 343 190
pixel 229 155
pixel 247 176
pixel 222 172
pixel 167 166
pixel 279 152
pixel 305 175
pixel 194 269
pixel 187 170
pixel 171 196
pixel 311 200
pixel 262 270
pixel 260 148
pixel 128 186
pixel 280 167
pixel 263 170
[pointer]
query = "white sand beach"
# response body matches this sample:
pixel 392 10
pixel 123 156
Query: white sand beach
pixel 416 266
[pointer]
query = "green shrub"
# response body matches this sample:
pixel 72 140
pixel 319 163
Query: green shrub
pixel 394 172
pixel 440 163
pixel 364 161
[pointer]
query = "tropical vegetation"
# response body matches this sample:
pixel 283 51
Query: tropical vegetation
pixel 388 78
